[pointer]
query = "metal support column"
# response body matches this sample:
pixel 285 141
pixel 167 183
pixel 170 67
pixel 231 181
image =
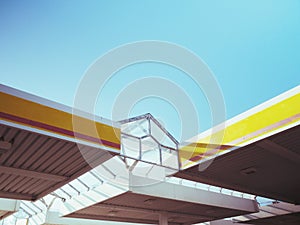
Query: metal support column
pixel 163 219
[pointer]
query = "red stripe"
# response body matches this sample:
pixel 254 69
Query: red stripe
pixel 208 153
pixel 59 130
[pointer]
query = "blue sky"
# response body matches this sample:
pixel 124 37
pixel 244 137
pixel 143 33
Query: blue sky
pixel 252 47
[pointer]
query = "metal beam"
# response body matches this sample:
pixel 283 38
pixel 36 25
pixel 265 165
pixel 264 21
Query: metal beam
pixel 81 171
pixel 9 204
pixel 98 194
pixel 274 210
pixel 7 207
pixel 279 150
pixel 190 194
pixel 32 174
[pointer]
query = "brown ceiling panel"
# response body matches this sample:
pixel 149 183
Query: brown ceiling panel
pixel 140 208
pixel 269 168
pixel 37 164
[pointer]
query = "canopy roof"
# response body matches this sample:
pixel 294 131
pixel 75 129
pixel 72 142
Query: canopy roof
pixel 39 149
pixel 261 154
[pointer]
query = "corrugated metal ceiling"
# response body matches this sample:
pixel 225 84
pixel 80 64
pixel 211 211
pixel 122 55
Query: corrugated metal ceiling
pixel 37 164
pixel 268 168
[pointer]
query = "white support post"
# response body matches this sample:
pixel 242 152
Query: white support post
pixel 163 219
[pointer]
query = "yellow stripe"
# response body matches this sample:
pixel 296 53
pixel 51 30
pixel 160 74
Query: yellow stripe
pixel 287 108
pixel 40 113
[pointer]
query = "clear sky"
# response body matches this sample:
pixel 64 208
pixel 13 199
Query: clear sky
pixel 252 47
